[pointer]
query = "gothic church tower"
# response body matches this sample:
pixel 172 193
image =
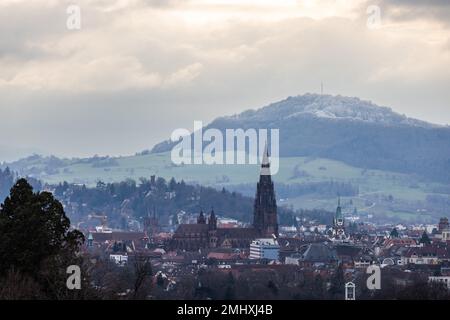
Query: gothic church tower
pixel 265 208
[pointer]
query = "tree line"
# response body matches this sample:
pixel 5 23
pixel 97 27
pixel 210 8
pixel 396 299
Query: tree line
pixel 158 196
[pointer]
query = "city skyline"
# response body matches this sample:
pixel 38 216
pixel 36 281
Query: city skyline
pixel 225 158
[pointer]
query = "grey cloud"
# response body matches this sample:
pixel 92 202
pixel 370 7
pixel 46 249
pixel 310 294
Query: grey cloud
pixel 242 64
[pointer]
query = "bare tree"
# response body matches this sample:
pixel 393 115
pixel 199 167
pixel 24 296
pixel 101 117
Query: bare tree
pixel 142 272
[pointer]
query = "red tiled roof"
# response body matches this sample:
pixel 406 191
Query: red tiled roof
pixel 228 225
pixel 399 241
pixel 428 251
pixel 222 255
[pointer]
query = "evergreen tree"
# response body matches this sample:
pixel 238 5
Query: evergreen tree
pixel 337 288
pixel 272 287
pixel 35 239
pixel 318 287
pixel 425 239
pixel 394 233
pixel 172 184
pixel 230 292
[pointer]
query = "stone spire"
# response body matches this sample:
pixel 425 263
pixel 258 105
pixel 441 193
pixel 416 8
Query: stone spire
pixel 265 164
pixel 201 218
pixel 339 209
pixel 265 207
pixel 212 221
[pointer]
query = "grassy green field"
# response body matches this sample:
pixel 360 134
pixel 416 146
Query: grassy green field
pixel 371 183
pixel 313 170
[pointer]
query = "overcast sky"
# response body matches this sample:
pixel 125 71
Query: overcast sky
pixel 138 69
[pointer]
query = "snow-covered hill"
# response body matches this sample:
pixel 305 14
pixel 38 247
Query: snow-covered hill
pixel 328 106
pixel 350 130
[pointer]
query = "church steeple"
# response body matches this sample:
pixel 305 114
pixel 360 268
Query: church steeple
pixel 201 218
pixel 212 221
pixel 265 163
pixel 339 210
pixel 265 207
pixel 339 223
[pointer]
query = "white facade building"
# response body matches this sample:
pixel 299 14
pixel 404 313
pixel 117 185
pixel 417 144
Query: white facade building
pixel 264 249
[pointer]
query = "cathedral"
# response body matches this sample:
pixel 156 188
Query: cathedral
pixel 338 230
pixel 206 234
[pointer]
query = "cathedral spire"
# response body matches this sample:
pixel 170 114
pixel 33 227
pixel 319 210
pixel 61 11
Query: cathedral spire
pixel 212 221
pixel 265 163
pixel 201 218
pixel 265 207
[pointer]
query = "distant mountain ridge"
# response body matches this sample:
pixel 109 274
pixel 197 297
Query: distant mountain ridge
pixel 330 107
pixel 355 132
pixel 351 130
